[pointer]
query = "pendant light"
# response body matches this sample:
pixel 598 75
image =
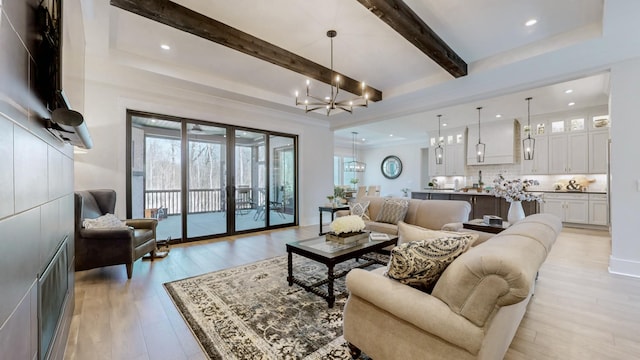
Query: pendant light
pixel 355 165
pixel 479 146
pixel 528 144
pixel 439 151
pixel 330 103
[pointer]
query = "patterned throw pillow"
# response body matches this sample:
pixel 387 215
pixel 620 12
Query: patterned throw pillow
pixel 393 211
pixel 360 209
pixel 103 222
pixel 420 263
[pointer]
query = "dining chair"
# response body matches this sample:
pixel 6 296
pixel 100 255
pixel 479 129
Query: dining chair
pixel 362 191
pixel 374 190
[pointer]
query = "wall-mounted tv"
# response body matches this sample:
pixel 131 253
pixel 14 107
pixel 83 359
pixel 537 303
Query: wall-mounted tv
pixel 47 54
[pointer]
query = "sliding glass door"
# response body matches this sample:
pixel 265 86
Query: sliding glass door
pixel 155 181
pixel 283 180
pixel 203 180
pixel 249 181
pixel 206 179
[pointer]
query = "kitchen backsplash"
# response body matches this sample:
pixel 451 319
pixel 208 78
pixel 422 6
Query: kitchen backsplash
pixel 491 172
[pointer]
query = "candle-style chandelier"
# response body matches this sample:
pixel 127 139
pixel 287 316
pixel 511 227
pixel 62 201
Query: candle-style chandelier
pixel 331 102
pixel 354 165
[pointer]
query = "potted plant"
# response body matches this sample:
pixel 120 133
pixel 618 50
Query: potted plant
pixel 354 181
pixel 330 198
pixel 405 191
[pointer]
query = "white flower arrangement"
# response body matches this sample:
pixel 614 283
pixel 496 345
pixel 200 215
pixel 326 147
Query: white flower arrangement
pixel 347 224
pixel 514 190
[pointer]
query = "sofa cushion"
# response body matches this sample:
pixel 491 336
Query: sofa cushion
pixel 103 222
pixel 374 226
pixel 360 209
pixel 408 232
pixel 393 210
pixel 420 263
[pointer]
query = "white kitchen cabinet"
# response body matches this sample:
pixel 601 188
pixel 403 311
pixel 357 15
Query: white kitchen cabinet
pixel 569 153
pixel 454 161
pixel 553 206
pixel 598 209
pixel 569 207
pixel 598 152
pixel 540 163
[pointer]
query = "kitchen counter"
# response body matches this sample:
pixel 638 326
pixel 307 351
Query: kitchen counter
pixel 473 192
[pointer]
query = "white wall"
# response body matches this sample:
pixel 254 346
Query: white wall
pixel 112 89
pixel 625 172
pixel 409 154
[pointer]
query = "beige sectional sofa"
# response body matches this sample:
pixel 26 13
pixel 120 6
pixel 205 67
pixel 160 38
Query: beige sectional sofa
pixel 473 311
pixel 429 214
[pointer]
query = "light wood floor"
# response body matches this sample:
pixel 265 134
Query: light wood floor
pixel 579 311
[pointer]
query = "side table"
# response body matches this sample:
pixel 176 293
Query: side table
pixel 331 210
pixel 479 225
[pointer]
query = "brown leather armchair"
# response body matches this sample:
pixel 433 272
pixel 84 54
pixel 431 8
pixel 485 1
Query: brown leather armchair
pixel 113 246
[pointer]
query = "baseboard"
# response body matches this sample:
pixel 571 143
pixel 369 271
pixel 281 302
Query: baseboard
pixel 624 267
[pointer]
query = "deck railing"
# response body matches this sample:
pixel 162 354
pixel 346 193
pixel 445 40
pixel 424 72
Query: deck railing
pixel 201 200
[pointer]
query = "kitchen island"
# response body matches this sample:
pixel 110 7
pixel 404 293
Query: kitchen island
pixel 482 203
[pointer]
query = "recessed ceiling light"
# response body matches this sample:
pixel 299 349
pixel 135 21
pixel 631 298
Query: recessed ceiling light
pixel 363 139
pixel 531 22
pixel 444 124
pixel 498 115
pixel 571 103
pixel 165 47
pixel 568 91
pixel 391 135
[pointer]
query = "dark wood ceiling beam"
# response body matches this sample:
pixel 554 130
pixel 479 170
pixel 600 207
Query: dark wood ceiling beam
pixel 407 23
pixel 185 19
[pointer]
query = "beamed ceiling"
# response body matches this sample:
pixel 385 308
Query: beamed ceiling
pixel 261 52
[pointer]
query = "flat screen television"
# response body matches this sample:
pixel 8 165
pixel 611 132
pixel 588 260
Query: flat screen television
pixel 47 54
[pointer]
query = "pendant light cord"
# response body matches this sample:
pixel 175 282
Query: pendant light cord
pixel 529 116
pixel 479 108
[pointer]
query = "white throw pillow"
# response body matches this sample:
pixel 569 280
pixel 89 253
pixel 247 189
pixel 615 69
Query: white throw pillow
pixel 104 222
pixel 360 209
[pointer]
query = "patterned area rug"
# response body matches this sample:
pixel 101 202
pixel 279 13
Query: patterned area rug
pixel 250 311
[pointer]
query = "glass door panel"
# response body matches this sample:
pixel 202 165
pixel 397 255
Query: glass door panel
pixel 249 180
pixel 229 180
pixel 206 174
pixel 156 174
pixel 282 190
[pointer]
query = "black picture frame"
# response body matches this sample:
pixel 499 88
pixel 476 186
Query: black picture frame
pixel 391 167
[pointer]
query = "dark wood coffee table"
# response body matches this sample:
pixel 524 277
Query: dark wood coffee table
pixel 330 254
